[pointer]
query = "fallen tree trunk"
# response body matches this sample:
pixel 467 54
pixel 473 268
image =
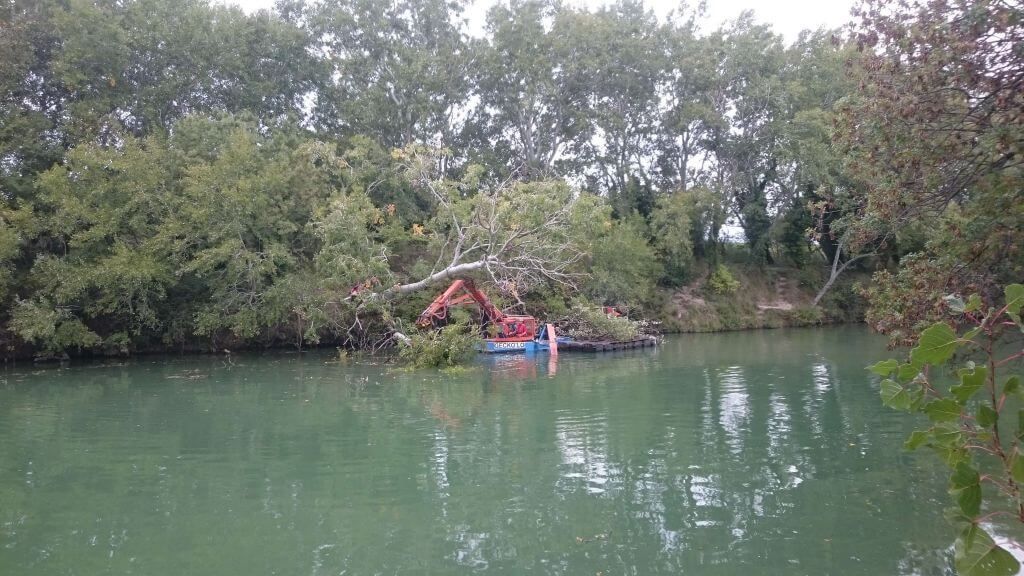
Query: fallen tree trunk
pixel 449 273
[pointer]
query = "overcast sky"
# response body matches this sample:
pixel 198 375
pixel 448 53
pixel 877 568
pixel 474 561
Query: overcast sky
pixel 788 17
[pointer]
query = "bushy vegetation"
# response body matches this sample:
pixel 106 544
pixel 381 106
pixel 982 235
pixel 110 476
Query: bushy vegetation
pixel 722 282
pixel 672 230
pixel 450 346
pixel 587 322
pixel 215 207
pixel 935 134
pixel 189 176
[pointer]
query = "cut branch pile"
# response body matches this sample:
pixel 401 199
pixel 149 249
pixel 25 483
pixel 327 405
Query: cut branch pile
pixel 591 324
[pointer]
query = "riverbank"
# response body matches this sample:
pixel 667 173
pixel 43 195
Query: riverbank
pixel 763 297
pixel 759 297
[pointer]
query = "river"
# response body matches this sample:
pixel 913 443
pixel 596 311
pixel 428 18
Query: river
pixel 764 452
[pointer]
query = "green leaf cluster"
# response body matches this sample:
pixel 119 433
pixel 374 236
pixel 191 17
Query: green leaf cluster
pixel 450 346
pixel 965 419
pixel 722 282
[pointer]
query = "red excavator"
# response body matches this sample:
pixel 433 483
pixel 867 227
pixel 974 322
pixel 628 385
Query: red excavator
pixel 515 333
pixel 510 329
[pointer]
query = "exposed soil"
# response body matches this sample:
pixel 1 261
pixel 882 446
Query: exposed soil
pixel 772 297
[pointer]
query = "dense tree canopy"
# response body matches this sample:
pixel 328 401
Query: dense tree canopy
pixel 936 134
pixel 187 174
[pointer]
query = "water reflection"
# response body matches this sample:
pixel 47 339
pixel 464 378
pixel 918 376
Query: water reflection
pixel 761 453
pixel 733 407
pixel 583 443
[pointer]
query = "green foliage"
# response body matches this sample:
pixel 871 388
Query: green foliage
pixel 793 235
pixel 401 69
pixel 708 217
pixel 588 322
pixel 622 97
pixel 976 554
pixel 15 226
pixel 933 138
pixel 623 266
pixel 722 282
pixel 807 315
pixel 53 329
pixel 452 345
pixel 671 228
pixel 186 173
pixel 756 226
pixel 348 253
pixel 532 88
pixel 903 303
pixel 965 417
pixel 219 212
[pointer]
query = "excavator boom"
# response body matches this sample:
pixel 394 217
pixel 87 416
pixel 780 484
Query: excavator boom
pixel 464 292
pixel 437 311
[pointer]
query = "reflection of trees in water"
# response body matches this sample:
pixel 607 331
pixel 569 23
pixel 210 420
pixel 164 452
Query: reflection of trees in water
pixel 757 442
pixel 678 461
pixel 754 468
pixel 733 413
pixel 918 560
pixel 583 444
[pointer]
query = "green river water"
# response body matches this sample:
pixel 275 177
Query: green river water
pixel 745 453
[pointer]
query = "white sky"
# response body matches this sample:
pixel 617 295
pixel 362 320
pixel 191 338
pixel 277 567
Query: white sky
pixel 787 17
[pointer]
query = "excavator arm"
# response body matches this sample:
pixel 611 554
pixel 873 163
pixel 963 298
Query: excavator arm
pixel 509 327
pixel 489 309
pixel 437 311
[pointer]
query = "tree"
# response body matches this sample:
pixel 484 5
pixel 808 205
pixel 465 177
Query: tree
pixel 623 266
pixel 531 82
pixel 519 234
pixel 671 227
pixel 166 238
pixel 400 70
pixel 240 224
pixel 810 167
pixel 935 134
pixel 694 94
pixel 625 60
pixel 747 151
pixel 30 100
pixel 107 276
pixel 144 64
pixel 792 236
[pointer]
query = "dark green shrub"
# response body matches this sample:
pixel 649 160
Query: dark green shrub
pixel 721 281
pixel 450 346
pixel 806 316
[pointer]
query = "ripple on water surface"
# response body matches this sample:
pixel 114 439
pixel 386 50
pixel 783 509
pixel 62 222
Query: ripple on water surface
pixel 762 452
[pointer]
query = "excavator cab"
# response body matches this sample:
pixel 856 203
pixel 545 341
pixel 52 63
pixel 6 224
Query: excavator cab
pixel 516 328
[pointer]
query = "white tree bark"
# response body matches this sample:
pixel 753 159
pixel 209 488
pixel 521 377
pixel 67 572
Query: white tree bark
pixel 837 270
pixel 518 236
pixel 449 273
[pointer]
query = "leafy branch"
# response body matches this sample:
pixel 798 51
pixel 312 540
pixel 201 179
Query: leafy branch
pixel 965 418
